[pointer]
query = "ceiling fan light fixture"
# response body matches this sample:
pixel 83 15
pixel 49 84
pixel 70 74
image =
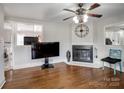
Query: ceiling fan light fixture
pixel 75 19
pixel 81 14
pixel 85 18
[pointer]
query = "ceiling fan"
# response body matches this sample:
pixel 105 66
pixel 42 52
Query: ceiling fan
pixel 83 12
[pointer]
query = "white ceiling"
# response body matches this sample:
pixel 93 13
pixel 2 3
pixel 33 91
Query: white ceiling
pixel 54 11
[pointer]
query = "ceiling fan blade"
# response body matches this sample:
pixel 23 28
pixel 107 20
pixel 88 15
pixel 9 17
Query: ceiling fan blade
pixel 68 18
pixel 69 10
pixel 94 6
pixel 95 15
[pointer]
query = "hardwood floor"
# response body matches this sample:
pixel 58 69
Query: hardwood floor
pixel 63 76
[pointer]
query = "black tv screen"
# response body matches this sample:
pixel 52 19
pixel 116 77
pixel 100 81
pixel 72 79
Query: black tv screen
pixel 30 40
pixel 45 49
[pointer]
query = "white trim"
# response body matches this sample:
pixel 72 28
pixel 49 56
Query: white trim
pixel 34 64
pixel 2 84
pixel 112 66
pixel 91 65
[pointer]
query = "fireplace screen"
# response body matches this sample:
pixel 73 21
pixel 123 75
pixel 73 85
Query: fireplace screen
pixel 82 53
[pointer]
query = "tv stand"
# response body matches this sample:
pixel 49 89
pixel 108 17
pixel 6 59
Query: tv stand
pixel 46 64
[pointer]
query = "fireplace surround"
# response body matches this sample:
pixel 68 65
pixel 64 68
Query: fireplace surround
pixel 82 53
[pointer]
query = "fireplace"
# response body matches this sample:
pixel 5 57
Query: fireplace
pixel 82 53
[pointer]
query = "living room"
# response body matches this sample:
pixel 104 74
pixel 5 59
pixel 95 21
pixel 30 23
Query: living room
pixel 78 53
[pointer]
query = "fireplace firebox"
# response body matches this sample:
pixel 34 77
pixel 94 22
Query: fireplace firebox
pixel 82 53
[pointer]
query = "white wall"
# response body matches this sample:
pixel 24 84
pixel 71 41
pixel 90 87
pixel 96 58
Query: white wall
pixel 64 33
pixel 2 78
pixel 103 50
pixel 58 32
pixel 96 38
pixel 87 40
pixel 7 35
pixel 1 21
pixel 52 32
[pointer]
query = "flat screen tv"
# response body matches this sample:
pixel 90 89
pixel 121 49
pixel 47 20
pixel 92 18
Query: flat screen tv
pixel 30 40
pixel 45 50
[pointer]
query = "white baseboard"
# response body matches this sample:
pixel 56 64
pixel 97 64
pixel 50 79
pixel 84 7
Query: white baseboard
pixel 27 65
pixel 92 65
pixel 112 67
pixel 34 64
pixel 2 84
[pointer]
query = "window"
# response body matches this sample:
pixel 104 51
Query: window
pixel 29 27
pixel 23 29
pixel 20 39
pixel 37 28
pixel 26 27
